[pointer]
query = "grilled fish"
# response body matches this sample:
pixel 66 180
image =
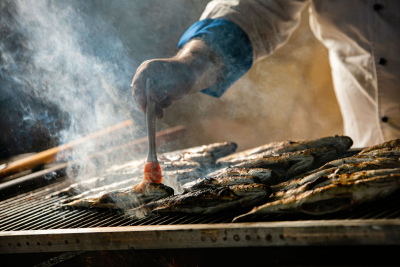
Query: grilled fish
pixel 77 188
pixel 219 182
pixel 391 143
pixel 182 159
pixel 266 176
pixel 387 152
pixel 243 155
pixel 291 164
pixel 217 150
pixel 332 179
pixel 174 179
pixel 331 198
pixel 123 198
pixel 207 201
pixel 136 167
pixel 340 162
pixel 113 186
pixel 204 158
pixel 183 176
pixel 384 163
pixel 179 165
pixel 342 143
pixel 214 151
pixel 365 174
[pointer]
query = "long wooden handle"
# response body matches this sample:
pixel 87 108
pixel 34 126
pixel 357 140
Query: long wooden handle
pixel 52 154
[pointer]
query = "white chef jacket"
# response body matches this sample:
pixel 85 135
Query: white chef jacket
pixel 363 38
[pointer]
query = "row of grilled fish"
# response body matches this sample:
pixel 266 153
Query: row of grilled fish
pixel 178 172
pixel 333 197
pixel 340 188
pixel 257 173
pixel 338 185
pixel 178 167
pixel 248 183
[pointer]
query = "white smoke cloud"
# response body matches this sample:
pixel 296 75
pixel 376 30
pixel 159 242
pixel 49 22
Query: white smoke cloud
pixel 60 53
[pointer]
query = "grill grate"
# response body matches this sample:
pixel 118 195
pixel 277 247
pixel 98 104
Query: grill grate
pixel 31 211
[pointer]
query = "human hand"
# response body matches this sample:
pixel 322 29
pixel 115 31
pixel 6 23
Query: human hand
pixel 193 69
pixel 172 80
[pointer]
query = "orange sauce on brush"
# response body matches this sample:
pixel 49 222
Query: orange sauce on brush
pixel 152 173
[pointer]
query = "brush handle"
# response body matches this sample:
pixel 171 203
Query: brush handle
pixel 151 123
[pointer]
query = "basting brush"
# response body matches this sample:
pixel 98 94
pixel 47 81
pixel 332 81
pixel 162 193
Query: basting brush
pixel 152 170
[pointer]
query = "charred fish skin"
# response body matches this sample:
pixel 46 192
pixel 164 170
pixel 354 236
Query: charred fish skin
pixel 123 198
pixel 340 162
pixel 217 150
pixel 291 164
pixel 182 159
pixel 96 190
pixel 392 143
pixel 183 176
pixel 219 182
pixel 331 198
pixel 179 165
pixel 342 143
pixel 204 158
pixel 207 201
pixel 365 174
pixel 387 152
pixel 266 176
pixel 380 163
pixel 76 188
pixel 244 155
pixel 333 179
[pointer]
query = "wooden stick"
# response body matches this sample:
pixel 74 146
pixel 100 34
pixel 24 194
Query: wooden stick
pixel 51 155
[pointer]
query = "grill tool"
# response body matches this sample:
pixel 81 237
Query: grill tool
pixel 152 170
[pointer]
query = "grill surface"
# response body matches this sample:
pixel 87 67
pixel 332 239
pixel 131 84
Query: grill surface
pixel 31 211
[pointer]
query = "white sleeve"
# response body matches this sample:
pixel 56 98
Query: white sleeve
pixel 268 23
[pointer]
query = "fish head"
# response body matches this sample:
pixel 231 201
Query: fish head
pixel 344 143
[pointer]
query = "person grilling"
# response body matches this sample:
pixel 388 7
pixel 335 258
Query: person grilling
pixel 364 52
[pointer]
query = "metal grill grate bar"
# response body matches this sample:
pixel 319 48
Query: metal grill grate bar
pixel 80 218
pixel 107 222
pixel 97 219
pixel 68 216
pixel 47 221
pixel 147 220
pixel 34 194
pixel 29 214
pixel 28 207
pixel 123 221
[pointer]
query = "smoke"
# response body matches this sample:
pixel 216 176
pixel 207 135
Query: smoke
pixel 65 67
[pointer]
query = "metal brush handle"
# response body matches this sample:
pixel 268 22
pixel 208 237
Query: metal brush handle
pixel 151 123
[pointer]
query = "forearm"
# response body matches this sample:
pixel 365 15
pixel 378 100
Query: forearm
pixel 206 65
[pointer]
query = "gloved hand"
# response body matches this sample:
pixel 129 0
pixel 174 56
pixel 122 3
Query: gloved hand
pixel 172 80
pixel 193 69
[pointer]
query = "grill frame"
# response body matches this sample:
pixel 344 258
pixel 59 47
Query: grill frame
pixel 187 231
pixel 106 230
pixel 264 234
